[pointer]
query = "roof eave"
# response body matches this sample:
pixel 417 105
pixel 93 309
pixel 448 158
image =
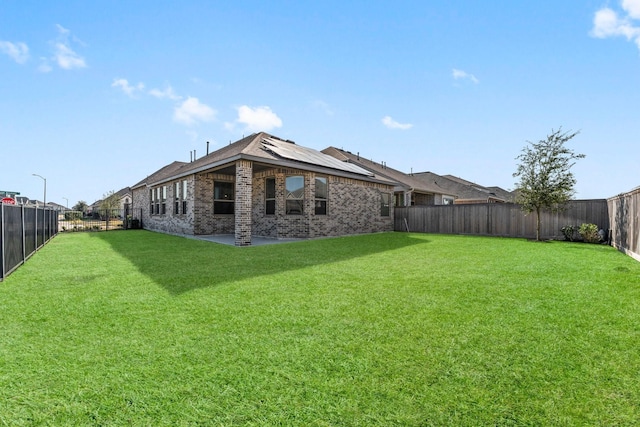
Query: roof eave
pixel 267 161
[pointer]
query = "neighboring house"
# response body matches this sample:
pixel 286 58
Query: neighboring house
pixel 56 206
pixel 265 186
pixel 35 203
pixel 408 191
pixel 22 200
pixel 466 192
pixel 124 201
pixel 93 207
pixel 124 198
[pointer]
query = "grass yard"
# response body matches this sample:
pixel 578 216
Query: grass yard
pixel 139 328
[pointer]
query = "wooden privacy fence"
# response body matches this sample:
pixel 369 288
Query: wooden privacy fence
pixel 23 230
pixel 624 211
pixel 499 219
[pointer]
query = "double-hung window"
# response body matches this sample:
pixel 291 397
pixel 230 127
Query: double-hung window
pixel 184 196
pixel 157 201
pixel 223 198
pixel 294 186
pixel 151 199
pixel 163 199
pixel 180 199
pixel 176 198
pixel 270 196
pixel 384 204
pixel 321 196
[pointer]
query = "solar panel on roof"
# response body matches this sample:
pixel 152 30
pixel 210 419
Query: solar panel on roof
pixel 292 151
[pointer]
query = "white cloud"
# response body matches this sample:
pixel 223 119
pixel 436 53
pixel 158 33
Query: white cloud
pixel 632 7
pixel 167 92
pixel 192 111
pixel 459 74
pixel 19 52
pixel 392 124
pixel 67 58
pixel 258 119
pixel 63 55
pixel 126 87
pixel 607 22
pixel 62 30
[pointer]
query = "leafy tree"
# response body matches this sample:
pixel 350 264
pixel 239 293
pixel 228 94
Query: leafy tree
pixel 546 181
pixel 81 206
pixel 109 204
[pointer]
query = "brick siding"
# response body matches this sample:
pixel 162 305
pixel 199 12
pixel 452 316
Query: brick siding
pixel 353 207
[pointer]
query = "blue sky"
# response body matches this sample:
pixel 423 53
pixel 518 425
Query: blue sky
pixel 96 95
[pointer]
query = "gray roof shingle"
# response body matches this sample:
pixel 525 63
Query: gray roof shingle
pixel 265 149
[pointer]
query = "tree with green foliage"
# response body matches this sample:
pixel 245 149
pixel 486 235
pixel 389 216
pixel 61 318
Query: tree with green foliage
pixel 81 206
pixel 546 181
pixel 109 204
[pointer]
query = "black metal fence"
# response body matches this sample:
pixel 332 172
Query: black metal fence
pixel 99 220
pixel 23 230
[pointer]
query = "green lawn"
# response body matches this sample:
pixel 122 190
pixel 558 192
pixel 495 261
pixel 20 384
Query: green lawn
pixel 140 328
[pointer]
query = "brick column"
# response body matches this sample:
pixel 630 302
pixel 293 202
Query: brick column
pixel 244 177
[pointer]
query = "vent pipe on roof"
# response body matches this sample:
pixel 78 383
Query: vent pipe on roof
pixel 194 155
pixel 358 155
pixel 190 156
pixel 207 148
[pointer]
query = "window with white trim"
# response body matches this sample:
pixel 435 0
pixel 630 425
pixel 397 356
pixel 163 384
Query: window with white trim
pixel 176 198
pixel 163 199
pixel 157 201
pixel 184 196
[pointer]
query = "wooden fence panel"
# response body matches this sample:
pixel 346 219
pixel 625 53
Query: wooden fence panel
pixel 624 211
pixel 499 219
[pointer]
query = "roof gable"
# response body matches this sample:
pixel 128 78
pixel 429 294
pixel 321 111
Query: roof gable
pixel 264 148
pixel 405 180
pixel 463 189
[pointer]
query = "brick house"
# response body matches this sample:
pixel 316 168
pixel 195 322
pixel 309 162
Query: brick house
pixel 264 186
pixel 408 190
pixel 466 192
pixel 426 188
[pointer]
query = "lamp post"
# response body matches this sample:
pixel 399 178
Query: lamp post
pixel 45 187
pixel 67 202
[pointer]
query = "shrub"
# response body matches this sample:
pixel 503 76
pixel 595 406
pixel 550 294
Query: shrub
pixel 569 232
pixel 589 233
pixel 72 215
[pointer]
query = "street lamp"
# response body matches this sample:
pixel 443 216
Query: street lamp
pixel 67 202
pixel 45 187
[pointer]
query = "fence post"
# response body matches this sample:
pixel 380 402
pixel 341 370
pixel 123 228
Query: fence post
pixel 24 235
pixel 35 231
pixel 2 250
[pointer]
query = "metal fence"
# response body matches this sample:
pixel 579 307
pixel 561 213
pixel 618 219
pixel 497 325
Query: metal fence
pixel 499 219
pixel 624 211
pixel 98 220
pixel 23 230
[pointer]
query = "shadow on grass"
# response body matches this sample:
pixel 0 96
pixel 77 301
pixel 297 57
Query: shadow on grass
pixel 180 265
